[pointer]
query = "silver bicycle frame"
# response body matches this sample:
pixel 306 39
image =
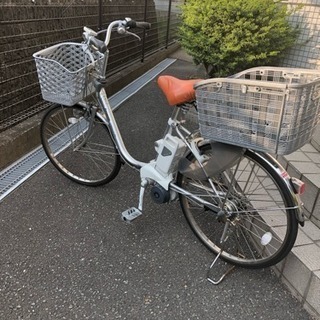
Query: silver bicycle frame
pixel 115 132
pixel 111 123
pixel 117 138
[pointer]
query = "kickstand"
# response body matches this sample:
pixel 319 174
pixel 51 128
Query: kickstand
pixel 216 282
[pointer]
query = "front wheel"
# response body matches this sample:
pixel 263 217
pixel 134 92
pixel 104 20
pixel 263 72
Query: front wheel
pixel 254 201
pixel 79 145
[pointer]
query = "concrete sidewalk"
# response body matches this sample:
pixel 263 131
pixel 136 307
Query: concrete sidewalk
pixel 66 254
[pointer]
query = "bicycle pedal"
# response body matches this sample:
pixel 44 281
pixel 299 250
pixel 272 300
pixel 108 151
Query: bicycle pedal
pixel 131 214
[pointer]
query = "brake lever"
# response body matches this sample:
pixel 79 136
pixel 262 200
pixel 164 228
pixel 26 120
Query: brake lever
pixel 133 34
pixel 89 32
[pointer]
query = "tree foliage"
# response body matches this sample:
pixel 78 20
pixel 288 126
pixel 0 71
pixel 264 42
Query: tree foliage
pixel 227 36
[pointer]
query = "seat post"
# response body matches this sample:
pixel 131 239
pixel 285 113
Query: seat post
pixel 173 119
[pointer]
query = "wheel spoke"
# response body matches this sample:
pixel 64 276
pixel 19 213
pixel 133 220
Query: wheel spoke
pixel 80 147
pixel 257 204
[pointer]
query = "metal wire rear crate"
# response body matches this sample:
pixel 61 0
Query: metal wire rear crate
pixel 267 109
pixel 64 72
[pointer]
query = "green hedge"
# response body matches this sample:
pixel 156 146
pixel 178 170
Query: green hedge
pixel 227 36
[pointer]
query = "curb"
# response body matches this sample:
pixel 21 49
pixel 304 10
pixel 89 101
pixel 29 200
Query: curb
pixel 300 271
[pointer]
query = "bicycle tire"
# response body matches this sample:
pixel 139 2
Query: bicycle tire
pixel 259 205
pixel 88 157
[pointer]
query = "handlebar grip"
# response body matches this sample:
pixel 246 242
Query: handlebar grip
pixel 100 45
pixel 138 24
pixel 143 25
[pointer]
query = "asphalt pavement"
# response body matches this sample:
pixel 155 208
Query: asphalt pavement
pixel 66 254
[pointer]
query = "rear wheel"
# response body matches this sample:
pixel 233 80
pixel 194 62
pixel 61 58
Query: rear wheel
pixel 256 203
pixel 79 145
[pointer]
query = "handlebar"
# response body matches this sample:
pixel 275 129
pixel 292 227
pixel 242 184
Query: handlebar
pixel 121 26
pixel 139 24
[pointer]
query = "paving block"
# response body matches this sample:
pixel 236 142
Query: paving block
pixel 309 254
pixel 313 295
pixel 314 157
pixel 313 178
pixel 297 156
pixel 306 167
pixel 308 148
pixel 312 191
pixel 306 213
pixel 302 238
pixel 315 217
pixel 277 268
pixel 292 171
pixel 311 230
pixel 283 161
pixel 315 220
pixel 296 275
pixel 315 141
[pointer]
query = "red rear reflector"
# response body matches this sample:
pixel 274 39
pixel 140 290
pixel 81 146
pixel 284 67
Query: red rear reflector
pixel 298 185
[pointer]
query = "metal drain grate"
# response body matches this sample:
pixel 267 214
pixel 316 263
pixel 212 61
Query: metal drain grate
pixel 21 170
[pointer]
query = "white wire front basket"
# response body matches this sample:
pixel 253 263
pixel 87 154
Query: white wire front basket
pixel 267 109
pixel 65 72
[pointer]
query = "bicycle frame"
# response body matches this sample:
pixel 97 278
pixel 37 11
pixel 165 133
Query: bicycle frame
pixel 115 132
pixel 111 123
pixel 148 171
